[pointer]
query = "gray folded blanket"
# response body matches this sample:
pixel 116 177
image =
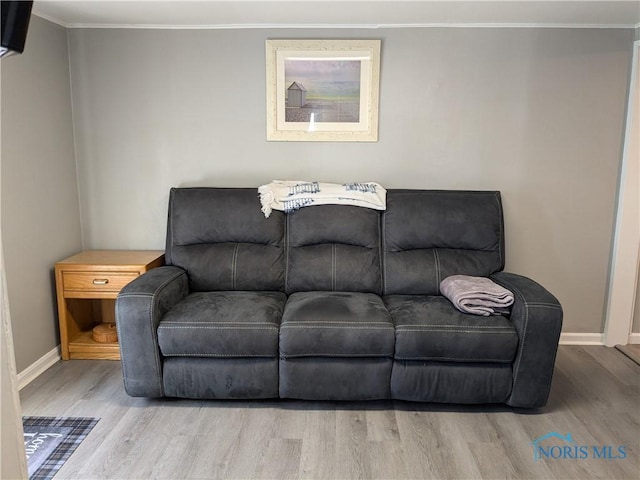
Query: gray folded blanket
pixel 476 295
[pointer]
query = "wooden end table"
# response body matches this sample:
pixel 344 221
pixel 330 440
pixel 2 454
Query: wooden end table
pixel 87 285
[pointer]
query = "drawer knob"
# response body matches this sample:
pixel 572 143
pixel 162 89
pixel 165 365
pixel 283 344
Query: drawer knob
pixel 100 281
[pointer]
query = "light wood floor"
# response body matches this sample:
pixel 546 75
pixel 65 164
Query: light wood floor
pixel 595 397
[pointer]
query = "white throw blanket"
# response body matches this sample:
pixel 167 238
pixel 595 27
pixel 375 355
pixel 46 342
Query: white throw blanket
pixel 476 295
pixel 288 195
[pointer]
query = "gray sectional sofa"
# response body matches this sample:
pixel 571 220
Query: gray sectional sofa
pixel 334 303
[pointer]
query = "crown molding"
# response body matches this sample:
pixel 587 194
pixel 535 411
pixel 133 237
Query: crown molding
pixel 306 26
pixel 49 18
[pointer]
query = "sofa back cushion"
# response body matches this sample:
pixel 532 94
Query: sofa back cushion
pixel 333 248
pixel 222 240
pixel 429 235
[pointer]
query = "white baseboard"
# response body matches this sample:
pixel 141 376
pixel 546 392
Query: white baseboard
pixel 581 339
pixel 634 338
pixel 34 370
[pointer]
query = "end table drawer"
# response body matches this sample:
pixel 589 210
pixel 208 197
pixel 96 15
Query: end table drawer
pixel 96 281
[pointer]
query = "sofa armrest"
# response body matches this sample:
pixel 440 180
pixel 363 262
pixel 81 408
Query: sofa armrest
pixel 537 317
pixel 139 308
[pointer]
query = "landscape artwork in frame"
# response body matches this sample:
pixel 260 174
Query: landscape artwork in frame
pixel 323 90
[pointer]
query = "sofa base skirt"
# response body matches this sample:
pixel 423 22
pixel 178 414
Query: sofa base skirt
pixel 451 382
pixel 323 378
pixel 214 378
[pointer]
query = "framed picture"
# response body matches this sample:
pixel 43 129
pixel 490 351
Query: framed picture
pixel 323 90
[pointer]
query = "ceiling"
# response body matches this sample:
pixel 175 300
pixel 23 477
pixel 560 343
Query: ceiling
pixel 333 13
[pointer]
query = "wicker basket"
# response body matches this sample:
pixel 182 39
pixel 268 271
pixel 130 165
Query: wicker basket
pixel 105 333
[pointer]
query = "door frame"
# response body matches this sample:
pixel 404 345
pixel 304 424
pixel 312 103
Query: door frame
pixel 625 254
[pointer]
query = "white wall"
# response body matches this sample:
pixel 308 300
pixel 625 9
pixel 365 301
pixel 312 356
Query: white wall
pixel 634 172
pixel 635 327
pixel 634 155
pixel 636 310
pixel 40 207
pixel 535 113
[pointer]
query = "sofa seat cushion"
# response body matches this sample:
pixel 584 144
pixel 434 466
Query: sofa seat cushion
pixel 431 328
pixel 336 324
pixel 223 324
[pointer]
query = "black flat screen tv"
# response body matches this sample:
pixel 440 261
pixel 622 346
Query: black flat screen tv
pixel 15 22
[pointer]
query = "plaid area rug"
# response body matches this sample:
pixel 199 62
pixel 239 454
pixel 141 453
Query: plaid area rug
pixel 50 441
